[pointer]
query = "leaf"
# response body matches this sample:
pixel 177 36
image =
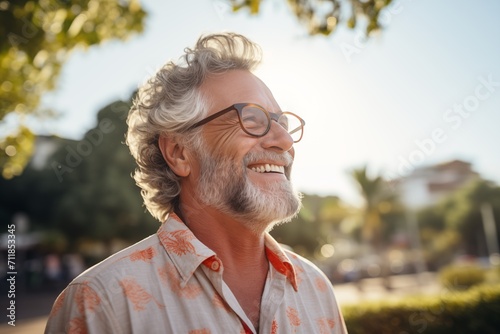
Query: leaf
pixel 39 38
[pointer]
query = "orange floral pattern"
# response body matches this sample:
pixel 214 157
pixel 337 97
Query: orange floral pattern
pixel 325 325
pixel 137 295
pixel 293 317
pixel 320 284
pixel 86 299
pixel 168 275
pixel 176 283
pixel 145 255
pixel 58 304
pixel 219 302
pixel 274 327
pixel 77 326
pixel 200 331
pixel 178 242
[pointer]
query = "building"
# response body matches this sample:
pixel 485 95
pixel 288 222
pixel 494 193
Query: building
pixel 427 185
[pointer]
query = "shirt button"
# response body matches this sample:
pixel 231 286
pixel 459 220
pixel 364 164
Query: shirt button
pixel 215 265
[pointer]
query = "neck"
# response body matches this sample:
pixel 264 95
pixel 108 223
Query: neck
pixel 241 250
pixel 232 241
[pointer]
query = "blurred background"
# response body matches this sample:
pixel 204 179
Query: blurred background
pixel 399 166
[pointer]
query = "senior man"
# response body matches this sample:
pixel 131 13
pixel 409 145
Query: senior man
pixel 214 153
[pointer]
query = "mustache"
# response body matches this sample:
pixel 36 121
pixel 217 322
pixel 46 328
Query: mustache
pixel 283 158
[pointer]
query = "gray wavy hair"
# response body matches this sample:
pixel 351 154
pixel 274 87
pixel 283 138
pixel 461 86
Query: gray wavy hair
pixel 169 103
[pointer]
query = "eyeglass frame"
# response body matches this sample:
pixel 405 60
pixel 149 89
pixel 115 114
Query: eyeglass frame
pixel 239 108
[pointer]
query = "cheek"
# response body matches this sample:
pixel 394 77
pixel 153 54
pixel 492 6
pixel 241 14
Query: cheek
pixel 232 143
pixel 219 137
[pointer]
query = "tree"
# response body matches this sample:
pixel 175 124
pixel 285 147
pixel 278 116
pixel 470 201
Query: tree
pixel 455 223
pixel 101 201
pixel 378 201
pixel 37 38
pixel 314 225
pixel 380 207
pixel 439 242
pixel 85 192
pixel 464 214
pixel 324 16
pixel 40 35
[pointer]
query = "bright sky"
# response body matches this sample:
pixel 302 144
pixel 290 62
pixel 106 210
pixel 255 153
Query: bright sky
pixel 431 77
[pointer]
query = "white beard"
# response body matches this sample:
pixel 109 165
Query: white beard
pixel 226 186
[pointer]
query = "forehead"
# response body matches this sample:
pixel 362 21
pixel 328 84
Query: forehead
pixel 236 86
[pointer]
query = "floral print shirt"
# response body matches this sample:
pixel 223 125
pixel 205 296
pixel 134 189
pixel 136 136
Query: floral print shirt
pixel 172 283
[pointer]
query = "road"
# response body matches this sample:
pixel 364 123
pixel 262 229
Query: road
pixel 373 289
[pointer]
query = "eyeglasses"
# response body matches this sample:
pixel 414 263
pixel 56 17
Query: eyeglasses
pixel 256 121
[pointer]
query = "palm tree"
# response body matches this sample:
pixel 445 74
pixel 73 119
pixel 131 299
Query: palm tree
pixel 378 200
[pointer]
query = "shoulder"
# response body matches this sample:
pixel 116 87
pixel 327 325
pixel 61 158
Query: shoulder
pixel 92 300
pixel 302 264
pixel 121 264
pixel 309 276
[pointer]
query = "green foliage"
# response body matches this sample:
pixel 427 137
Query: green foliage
pixel 381 208
pixel 85 192
pixel 15 152
pixel 314 226
pixel 461 277
pixel 473 311
pixel 101 200
pixel 432 218
pixel 440 246
pixel 323 17
pixel 461 212
pixel 466 203
pixel 440 242
pixel 54 241
pixel 37 38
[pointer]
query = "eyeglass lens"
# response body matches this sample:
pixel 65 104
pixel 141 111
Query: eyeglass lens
pixel 256 122
pixel 292 124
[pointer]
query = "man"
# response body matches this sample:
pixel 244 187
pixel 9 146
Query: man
pixel 214 154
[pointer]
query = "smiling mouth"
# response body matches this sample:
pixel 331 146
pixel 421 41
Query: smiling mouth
pixel 268 168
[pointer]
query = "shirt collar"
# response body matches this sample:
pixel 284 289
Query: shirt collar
pixel 183 248
pixel 187 252
pixel 280 260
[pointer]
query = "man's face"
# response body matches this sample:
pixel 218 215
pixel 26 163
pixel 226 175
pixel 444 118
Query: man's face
pixel 233 176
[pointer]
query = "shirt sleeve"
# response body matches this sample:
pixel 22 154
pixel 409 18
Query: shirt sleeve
pixel 80 308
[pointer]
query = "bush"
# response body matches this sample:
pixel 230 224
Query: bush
pixel 473 311
pixel 461 277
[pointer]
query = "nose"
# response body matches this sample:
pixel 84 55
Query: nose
pixel 277 138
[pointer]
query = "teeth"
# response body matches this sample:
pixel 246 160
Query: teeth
pixel 269 168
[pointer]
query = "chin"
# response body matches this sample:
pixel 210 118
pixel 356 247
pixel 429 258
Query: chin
pixel 270 207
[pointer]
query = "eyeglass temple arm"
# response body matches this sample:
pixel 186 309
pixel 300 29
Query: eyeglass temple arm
pixel 212 117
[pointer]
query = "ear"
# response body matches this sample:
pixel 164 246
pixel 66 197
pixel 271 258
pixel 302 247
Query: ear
pixel 175 155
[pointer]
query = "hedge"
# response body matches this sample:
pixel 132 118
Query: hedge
pixel 476 310
pixel 462 277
